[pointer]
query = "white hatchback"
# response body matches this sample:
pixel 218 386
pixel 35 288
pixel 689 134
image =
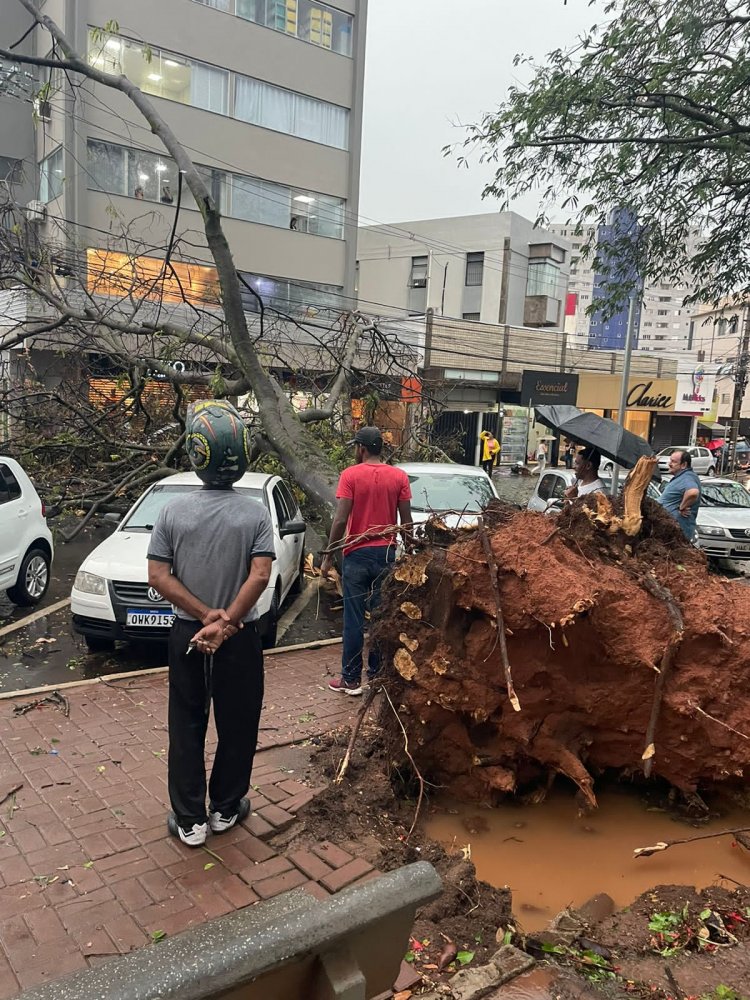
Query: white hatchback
pixel 26 547
pixel 111 598
pixel 459 493
pixel 703 462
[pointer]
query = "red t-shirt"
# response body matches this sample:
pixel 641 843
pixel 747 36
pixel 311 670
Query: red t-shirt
pixel 375 490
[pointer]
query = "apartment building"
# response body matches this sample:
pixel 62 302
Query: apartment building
pixel 663 322
pixel 265 95
pixel 491 268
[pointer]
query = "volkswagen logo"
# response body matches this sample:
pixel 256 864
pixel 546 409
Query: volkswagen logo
pixel 747 532
pixel 154 595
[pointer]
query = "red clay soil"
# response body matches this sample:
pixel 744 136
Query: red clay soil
pixel 585 637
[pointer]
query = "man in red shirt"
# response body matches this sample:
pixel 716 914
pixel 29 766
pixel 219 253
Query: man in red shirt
pixel 371 497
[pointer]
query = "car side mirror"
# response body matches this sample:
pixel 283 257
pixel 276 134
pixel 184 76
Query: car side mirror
pixel 292 528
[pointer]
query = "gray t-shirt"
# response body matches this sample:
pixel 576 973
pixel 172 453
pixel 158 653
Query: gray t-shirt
pixel 210 538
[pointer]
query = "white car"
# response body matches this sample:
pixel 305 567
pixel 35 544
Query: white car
pixel 111 598
pixel 548 495
pixel 723 523
pixel 26 547
pixel 703 461
pixel 458 492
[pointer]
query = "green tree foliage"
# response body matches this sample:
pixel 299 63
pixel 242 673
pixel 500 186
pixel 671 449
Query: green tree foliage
pixel 649 111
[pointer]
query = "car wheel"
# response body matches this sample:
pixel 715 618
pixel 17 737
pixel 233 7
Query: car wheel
pixel 296 587
pixel 33 579
pixel 712 471
pixel 272 621
pixel 94 644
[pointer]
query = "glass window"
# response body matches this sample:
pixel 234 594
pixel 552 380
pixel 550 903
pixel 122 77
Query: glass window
pixel 285 111
pixel 544 489
pixel 218 4
pixel 11 171
pixel 291 503
pixel 418 277
pixel 209 88
pixel 51 176
pixel 10 482
pixel 279 503
pixel 543 279
pixel 151 503
pixel 453 492
pixel 108 168
pixel 315 23
pixel 474 268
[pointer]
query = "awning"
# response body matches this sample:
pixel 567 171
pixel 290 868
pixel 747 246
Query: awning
pixel 714 428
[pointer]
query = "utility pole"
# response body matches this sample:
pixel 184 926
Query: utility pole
pixel 624 385
pixel 740 385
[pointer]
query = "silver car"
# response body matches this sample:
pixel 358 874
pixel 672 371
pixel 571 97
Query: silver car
pixel 548 495
pixel 723 524
pixel 703 463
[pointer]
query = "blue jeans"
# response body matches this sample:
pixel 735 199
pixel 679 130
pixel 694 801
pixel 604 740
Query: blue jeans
pixel 362 576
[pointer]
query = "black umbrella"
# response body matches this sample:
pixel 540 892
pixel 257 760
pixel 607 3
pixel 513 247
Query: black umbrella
pixel 623 447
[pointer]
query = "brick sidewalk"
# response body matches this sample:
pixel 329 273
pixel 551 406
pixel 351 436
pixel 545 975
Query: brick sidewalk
pixel 87 870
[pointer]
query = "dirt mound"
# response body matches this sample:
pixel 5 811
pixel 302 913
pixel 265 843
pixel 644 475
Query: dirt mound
pixel 624 652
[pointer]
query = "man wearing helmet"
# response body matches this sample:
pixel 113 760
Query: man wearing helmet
pixel 210 555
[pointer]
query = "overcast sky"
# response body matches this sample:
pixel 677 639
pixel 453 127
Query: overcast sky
pixel 431 63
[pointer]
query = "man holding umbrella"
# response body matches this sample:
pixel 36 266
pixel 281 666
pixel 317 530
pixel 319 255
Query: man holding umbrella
pixel 586 468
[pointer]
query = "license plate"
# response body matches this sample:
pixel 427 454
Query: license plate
pixel 149 619
pixel 741 548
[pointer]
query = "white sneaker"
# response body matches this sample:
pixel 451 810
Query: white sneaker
pixel 194 836
pixel 220 822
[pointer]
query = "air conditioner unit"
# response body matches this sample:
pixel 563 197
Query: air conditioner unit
pixel 36 211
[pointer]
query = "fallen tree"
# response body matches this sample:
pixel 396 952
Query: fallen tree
pixel 622 651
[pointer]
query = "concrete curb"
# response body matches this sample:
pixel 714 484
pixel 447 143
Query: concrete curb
pixel 149 672
pixel 30 619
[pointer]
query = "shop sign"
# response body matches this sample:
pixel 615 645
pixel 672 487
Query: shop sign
pixel 644 396
pixel 602 392
pixel 539 388
pixel 695 391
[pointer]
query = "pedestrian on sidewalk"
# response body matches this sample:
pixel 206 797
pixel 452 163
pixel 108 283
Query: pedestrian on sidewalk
pixel 210 554
pixel 489 451
pixel 371 498
pixel 541 458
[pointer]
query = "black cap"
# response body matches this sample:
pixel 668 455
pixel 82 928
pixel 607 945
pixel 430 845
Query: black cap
pixel 370 437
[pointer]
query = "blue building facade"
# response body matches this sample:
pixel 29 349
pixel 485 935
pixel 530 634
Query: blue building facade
pixel 609 334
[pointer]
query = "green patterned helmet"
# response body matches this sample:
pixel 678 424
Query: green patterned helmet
pixel 217 444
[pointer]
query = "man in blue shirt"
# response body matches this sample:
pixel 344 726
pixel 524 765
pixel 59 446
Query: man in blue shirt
pixel 682 495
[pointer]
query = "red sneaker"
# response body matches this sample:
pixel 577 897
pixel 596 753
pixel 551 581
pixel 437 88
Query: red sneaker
pixel 339 684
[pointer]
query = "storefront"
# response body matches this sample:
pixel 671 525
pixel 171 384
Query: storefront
pixel 650 403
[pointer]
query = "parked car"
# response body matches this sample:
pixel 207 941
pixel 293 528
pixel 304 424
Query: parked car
pixel 548 494
pixel 723 524
pixel 26 548
pixel 703 462
pixel 458 492
pixel 111 598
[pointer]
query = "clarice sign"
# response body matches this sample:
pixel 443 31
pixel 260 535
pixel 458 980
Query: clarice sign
pixel 538 388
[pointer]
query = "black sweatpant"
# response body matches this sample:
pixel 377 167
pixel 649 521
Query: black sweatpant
pixel 488 465
pixel 237 693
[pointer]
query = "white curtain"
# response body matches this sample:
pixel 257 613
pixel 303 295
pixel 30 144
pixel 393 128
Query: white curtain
pixel 208 88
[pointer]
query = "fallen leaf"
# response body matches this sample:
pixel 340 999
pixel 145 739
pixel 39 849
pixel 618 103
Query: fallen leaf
pixel 464 957
pixel 88 864
pixel 208 866
pixel 101 769
pixel 158 935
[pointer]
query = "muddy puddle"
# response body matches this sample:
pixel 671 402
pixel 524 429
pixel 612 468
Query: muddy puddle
pixel 551 857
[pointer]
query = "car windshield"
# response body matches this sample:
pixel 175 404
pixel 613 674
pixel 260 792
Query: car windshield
pixel 724 495
pixel 454 492
pixel 151 503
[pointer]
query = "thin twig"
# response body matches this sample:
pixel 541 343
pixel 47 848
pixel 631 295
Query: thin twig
pixel 355 732
pixel 418 773
pixel 16 788
pixel 713 718
pixel 670 655
pixel 492 567
pixel 549 536
pixel 663 845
